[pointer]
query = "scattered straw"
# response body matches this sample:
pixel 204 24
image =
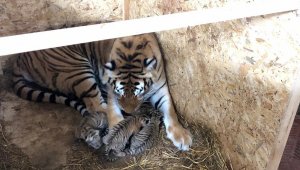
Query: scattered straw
pixel 204 154
pixel 12 157
pixel 2 133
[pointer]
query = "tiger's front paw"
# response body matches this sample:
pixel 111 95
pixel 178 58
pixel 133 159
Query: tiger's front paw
pixel 180 137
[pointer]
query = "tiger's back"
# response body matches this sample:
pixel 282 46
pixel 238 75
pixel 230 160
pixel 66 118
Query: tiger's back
pixel 67 75
pixel 61 71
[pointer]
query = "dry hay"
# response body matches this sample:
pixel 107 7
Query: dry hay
pixel 11 157
pixel 204 154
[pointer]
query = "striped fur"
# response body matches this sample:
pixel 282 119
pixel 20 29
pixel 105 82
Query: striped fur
pixel 31 91
pixel 60 73
pixel 118 136
pixel 108 76
pixel 92 129
pixel 136 74
pixel 145 138
pixel 71 76
pixel 133 135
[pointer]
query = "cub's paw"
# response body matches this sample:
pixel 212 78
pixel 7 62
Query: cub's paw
pixel 93 138
pixel 91 129
pixel 180 137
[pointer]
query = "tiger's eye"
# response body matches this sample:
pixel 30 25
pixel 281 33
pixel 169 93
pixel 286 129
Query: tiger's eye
pixel 139 46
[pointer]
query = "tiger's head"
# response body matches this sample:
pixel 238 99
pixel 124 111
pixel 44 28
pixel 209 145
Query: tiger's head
pixel 132 69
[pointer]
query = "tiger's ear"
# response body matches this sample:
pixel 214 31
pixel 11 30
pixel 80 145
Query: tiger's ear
pixel 108 71
pixel 150 63
pixel 110 65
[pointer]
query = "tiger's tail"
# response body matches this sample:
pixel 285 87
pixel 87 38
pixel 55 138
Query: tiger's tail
pixel 31 91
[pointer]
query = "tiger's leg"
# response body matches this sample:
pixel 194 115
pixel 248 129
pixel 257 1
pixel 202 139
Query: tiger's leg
pixel 162 101
pixel 88 91
pixel 93 125
pixel 114 115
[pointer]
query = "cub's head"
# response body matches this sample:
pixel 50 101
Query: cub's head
pixel 134 64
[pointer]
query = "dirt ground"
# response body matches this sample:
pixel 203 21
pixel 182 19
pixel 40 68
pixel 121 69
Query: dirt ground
pixel 41 136
pixel 41 131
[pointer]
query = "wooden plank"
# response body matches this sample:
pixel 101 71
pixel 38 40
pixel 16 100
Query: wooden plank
pixel 286 124
pixel 126 5
pixel 62 37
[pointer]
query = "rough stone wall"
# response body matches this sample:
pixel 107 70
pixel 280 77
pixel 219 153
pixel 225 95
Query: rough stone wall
pixel 234 76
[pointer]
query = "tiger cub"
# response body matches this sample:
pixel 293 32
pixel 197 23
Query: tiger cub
pixel 145 138
pixel 136 138
pixel 110 77
pixel 92 129
pixel 116 140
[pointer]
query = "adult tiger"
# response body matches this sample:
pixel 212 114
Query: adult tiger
pixel 129 70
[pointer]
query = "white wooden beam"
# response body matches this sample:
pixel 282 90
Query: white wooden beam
pixel 62 37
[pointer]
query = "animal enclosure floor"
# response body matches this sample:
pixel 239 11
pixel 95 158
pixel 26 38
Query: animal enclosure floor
pixel 41 136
